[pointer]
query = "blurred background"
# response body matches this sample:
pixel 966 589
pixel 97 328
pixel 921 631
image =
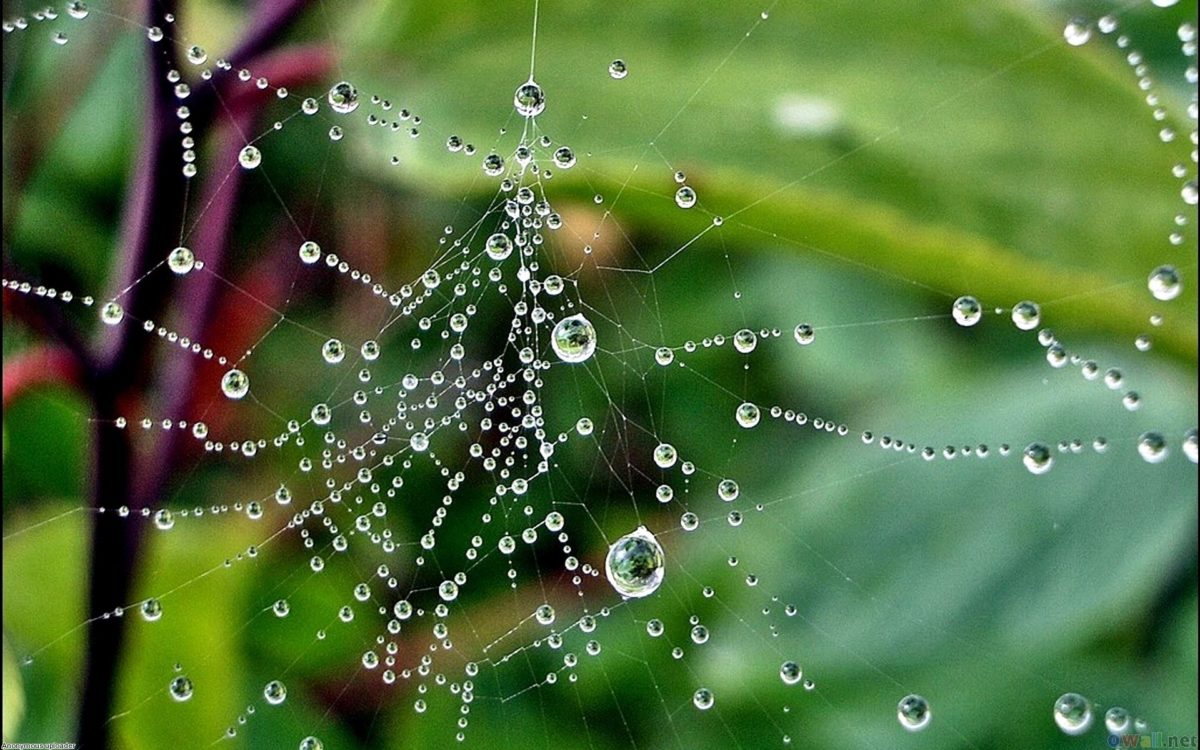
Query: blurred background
pixel 875 161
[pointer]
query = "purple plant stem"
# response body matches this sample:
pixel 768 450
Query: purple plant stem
pixel 153 217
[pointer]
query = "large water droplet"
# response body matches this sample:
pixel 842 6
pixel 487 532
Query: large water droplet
pixel 1077 32
pixel 635 564
pixel 790 673
pixel 1037 458
pixel 343 97
pixel 914 713
pixel 529 99
pixel 112 313
pixel 564 158
pixel 250 157
pixel 181 688
pixel 499 246
pixel 804 334
pixel 181 260
pixel 1026 315
pixel 1164 283
pixel 1152 447
pixel 967 311
pixel 152 610
pixel 1116 720
pixel 235 384
pixel 274 692
pixel 333 351
pixel 747 415
pixel 1073 714
pixel 573 339
pixel 745 341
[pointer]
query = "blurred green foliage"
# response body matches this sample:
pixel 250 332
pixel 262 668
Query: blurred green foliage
pixel 970 152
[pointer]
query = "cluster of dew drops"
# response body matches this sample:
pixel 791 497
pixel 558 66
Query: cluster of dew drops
pixel 549 328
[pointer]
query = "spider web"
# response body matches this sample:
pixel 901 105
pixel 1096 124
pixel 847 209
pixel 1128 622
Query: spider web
pixel 407 511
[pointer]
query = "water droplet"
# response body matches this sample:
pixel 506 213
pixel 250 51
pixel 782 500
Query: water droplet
pixel 1164 283
pixel 1116 720
pixel 790 673
pixel 804 334
pixel 112 313
pixel 564 158
pixel 685 197
pixel 235 384
pixel 499 246
pixel 1152 447
pixel 617 69
pixel 321 414
pixel 77 9
pixel 343 97
pixel 333 351
pixel 181 688
pixel 164 519
pixel 1077 32
pixel 1131 400
pixel 635 564
pixel 745 341
pixel 1190 445
pixel 197 55
pixel 181 260
pixel 250 157
pixel 544 614
pixel 311 743
pixel 1073 714
pixel 151 610
pixel 274 692
pixel 914 713
pixel 1026 315
pixel 573 339
pixel 967 311
pixel 703 699
pixel 529 99
pixel 310 252
pixel 665 455
pixel 448 591
pixel 1037 458
pixel 747 415
pixel 493 165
